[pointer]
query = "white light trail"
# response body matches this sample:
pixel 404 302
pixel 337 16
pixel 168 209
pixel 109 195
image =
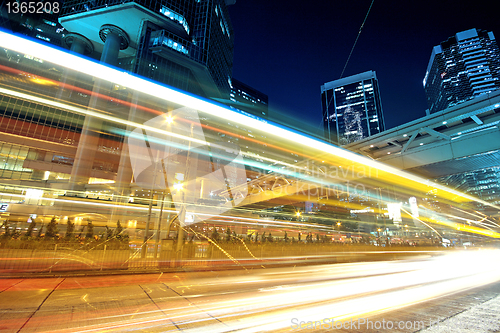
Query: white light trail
pixel 125 79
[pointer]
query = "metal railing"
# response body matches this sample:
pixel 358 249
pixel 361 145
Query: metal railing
pixel 17 256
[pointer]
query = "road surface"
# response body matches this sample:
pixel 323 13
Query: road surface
pixel 406 295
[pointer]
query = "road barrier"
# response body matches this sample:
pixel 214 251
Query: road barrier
pixel 52 257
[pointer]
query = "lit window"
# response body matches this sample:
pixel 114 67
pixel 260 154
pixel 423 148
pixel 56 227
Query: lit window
pixel 175 46
pixel 49 22
pixel 174 16
pixel 43 38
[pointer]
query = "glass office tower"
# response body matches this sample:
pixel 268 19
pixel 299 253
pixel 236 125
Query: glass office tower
pixel 351 108
pixel 483 183
pixel 185 44
pixel 461 68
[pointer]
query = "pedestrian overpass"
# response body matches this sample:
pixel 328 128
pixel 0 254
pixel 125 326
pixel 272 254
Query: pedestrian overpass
pixel 459 139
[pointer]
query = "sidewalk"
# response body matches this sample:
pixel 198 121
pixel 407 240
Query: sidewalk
pixel 484 317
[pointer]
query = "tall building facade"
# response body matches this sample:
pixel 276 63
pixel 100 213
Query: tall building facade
pixel 185 44
pixel 248 99
pixel 483 183
pixel 462 67
pixel 352 109
pixel 188 45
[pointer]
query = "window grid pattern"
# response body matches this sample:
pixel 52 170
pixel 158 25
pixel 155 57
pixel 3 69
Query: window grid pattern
pixel 38 121
pixel 11 162
pixel 205 42
pixel 352 111
pixel 462 69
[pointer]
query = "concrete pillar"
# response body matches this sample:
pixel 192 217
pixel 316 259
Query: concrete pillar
pixel 115 39
pixel 124 174
pixel 77 44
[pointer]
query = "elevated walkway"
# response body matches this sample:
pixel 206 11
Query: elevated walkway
pixel 456 140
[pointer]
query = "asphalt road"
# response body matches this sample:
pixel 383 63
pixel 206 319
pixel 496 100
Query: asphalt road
pixel 456 292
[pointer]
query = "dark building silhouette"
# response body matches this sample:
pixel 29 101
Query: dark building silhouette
pixel 248 99
pixel 43 25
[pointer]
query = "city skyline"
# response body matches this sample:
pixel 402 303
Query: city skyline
pixel 295 49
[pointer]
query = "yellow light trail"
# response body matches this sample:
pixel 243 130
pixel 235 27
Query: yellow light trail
pixel 279 299
pixel 125 79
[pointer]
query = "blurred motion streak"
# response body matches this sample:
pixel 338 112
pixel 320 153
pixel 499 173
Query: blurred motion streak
pixel 117 172
pixel 260 300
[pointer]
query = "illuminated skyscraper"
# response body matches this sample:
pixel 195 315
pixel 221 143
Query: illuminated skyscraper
pixel 462 67
pixel 351 108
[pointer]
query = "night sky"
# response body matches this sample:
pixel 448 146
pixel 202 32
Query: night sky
pixel 288 49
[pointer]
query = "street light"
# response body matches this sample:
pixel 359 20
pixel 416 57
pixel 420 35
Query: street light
pixel 169 119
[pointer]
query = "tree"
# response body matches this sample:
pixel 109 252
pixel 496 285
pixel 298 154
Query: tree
pixel 90 230
pixel 349 226
pixel 215 235
pixel 119 230
pixel 52 230
pixel 29 232
pixel 7 232
pixel 109 233
pixel 70 229
pixel 40 232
